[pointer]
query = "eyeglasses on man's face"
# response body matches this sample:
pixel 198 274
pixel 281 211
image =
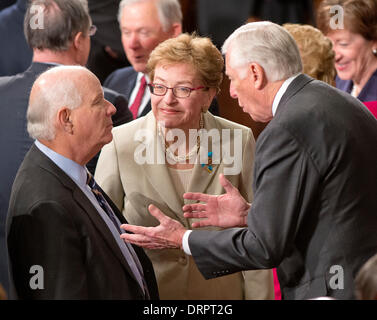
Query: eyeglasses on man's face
pixel 178 91
pixel 92 30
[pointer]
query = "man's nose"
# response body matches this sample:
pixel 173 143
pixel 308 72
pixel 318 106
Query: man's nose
pixel 110 108
pixel 133 41
pixel 232 92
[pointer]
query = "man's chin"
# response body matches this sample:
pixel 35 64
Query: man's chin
pixel 108 139
pixel 140 67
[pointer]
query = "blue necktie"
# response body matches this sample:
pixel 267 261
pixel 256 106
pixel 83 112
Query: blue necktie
pixel 102 201
pixel 135 262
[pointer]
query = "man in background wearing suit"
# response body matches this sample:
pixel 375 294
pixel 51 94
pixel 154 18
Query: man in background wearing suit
pixel 106 51
pixel 315 179
pixel 63 39
pixel 62 229
pixel 143 24
pixel 15 54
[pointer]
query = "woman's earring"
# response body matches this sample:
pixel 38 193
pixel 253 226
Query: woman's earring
pixel 374 51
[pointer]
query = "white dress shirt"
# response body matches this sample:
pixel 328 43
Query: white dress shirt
pixel 146 97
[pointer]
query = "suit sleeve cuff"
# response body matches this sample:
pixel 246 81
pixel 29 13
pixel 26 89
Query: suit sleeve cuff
pixel 185 244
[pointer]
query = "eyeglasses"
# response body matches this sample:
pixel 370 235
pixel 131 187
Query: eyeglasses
pixel 92 30
pixel 178 91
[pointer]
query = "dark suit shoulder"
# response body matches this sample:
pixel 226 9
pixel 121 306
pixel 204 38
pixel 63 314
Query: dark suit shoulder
pixel 20 84
pixel 317 103
pixel 36 183
pixel 120 102
pixel 324 123
pixel 9 81
pixel 118 75
pixel 122 80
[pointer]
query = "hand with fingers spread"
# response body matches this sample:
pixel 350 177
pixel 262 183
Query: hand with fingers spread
pixel 168 234
pixel 228 210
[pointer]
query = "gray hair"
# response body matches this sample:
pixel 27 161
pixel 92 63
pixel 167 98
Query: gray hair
pixel 61 21
pixel 169 11
pixel 267 44
pixel 45 103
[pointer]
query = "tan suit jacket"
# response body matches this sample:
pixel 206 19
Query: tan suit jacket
pixel 134 186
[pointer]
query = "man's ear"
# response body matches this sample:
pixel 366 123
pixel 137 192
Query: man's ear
pixel 78 40
pixel 258 75
pixel 64 119
pixel 176 29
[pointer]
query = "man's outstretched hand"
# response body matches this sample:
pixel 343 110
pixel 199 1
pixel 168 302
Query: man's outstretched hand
pixel 228 210
pixel 168 234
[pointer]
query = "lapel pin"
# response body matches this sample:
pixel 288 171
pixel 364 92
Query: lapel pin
pixel 208 166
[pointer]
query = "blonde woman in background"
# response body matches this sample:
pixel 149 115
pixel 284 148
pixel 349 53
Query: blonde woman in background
pixel 316 52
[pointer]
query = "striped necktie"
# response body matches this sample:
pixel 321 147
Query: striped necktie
pixel 133 260
pixel 137 102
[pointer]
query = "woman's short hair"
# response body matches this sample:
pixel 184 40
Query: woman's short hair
pixel 44 105
pixel 62 20
pixel 360 16
pixel 316 51
pixel 200 52
pixel 267 44
pixel 169 11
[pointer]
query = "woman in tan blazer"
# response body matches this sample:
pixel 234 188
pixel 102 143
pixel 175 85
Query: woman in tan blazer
pixel 176 148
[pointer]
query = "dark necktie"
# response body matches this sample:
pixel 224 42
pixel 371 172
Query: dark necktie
pixel 136 104
pixel 102 201
pixel 133 260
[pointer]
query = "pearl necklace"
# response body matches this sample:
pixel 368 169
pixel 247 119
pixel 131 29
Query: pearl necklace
pixel 181 158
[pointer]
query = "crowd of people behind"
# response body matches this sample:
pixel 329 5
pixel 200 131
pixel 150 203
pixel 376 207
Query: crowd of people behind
pixel 151 76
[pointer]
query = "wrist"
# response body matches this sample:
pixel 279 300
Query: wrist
pixel 245 214
pixel 180 235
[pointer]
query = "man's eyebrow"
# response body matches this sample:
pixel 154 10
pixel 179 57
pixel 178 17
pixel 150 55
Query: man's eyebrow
pixel 97 98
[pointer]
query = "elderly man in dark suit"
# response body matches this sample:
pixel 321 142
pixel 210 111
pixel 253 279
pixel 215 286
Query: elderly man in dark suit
pixel 63 231
pixel 54 44
pixel 315 179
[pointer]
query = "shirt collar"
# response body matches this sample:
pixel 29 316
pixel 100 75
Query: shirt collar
pixel 75 171
pixel 281 92
pixel 140 75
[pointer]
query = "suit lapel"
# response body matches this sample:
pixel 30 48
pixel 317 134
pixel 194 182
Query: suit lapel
pixel 202 177
pixel 131 84
pixel 147 108
pixel 293 88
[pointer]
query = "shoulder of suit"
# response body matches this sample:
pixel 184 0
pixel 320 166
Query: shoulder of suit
pixel 19 79
pixel 110 93
pixel 121 73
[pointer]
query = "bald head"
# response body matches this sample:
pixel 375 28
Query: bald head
pixel 58 87
pixel 68 112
